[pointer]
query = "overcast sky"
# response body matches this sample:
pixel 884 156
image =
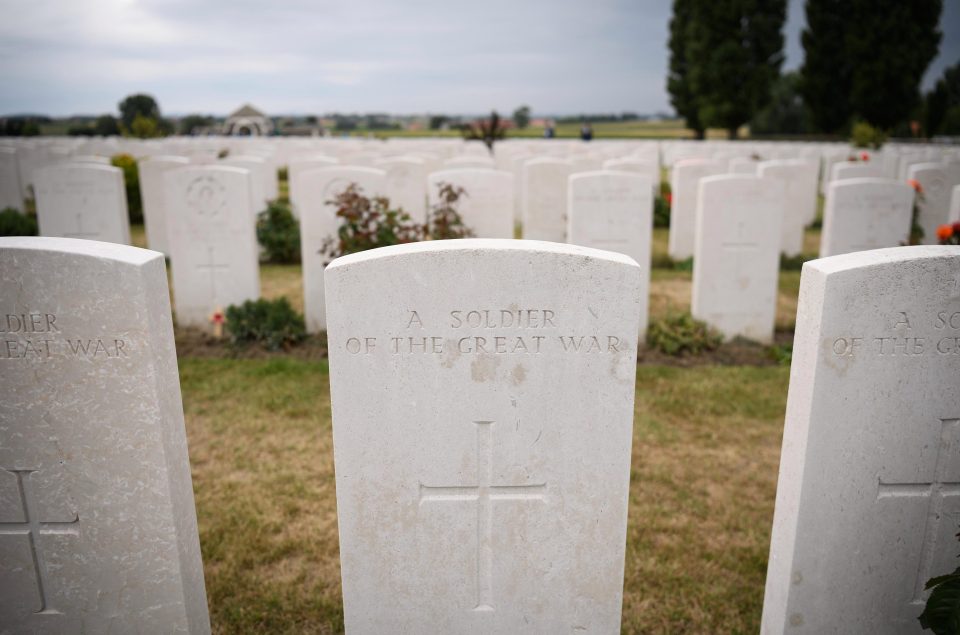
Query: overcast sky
pixel 62 57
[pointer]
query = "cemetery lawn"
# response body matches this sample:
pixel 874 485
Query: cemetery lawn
pixel 705 456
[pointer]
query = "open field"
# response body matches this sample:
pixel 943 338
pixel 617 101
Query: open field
pixel 705 456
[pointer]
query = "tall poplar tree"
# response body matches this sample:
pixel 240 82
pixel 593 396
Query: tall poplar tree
pixel 827 71
pixel 678 80
pixel 865 59
pixel 734 52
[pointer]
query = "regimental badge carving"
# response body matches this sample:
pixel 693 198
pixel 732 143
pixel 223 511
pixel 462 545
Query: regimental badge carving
pixel 206 196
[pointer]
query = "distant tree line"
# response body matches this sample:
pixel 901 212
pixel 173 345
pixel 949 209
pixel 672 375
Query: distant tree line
pixel 864 60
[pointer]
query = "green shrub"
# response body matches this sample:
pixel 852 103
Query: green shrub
pixel 661 206
pixel 13 223
pixel 864 135
pixel 279 234
pixel 283 174
pixel 131 182
pixel 792 263
pixel 368 223
pixel 781 353
pixel 680 334
pixel 273 323
pixel 445 221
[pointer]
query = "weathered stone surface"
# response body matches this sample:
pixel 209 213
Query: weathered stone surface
pixel 213 243
pixel 545 199
pixel 861 214
pixel 683 212
pixel 737 255
pixel 869 488
pixel 98 532
pixel 614 211
pixel 150 174
pixel 82 200
pixel 799 180
pixel 482 435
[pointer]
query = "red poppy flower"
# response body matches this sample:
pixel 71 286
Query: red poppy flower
pixel 669 198
pixel 218 317
pixel 864 156
pixel 944 232
pixel 915 184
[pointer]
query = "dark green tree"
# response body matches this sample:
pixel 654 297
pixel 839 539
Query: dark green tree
pixel 678 79
pixel 827 71
pixel 521 117
pixel 892 42
pixel 140 104
pixel 735 52
pixel 785 114
pixel 865 59
pixel 942 104
pixel 487 130
pixel 191 123
pixel 106 126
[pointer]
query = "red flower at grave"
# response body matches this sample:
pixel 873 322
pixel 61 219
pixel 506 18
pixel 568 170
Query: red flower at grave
pixel 668 197
pixel 915 184
pixel 864 156
pixel 956 228
pixel 217 317
pixel 945 231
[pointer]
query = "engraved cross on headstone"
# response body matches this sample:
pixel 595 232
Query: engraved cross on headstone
pixel 935 491
pixel 79 233
pixel 211 265
pixel 33 527
pixel 483 493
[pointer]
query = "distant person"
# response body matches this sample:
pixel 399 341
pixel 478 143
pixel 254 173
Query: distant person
pixel 586 132
pixel 548 131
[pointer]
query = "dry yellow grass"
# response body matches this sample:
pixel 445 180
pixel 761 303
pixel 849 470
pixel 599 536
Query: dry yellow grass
pixel 705 453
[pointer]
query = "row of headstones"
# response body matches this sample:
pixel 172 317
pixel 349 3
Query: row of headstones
pixel 484 484
pixel 29 155
pixel 212 243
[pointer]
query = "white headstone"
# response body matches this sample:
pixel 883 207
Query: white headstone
pixel 10 189
pixel 260 173
pixel 935 203
pixel 406 184
pixel 649 169
pixel 861 214
pixel 855 170
pixel 82 200
pixel 298 167
pixel 614 211
pixel 482 435
pixel 683 211
pixel 869 489
pixel 955 205
pixel 799 179
pixel 468 162
pixel 98 531
pixel 151 173
pixel 213 242
pixel 318 221
pixel 737 256
pixel 743 165
pixel 545 199
pixel 487 206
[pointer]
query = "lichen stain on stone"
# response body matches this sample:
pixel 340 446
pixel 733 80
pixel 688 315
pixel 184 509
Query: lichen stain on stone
pixel 518 375
pixel 451 353
pixel 484 368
